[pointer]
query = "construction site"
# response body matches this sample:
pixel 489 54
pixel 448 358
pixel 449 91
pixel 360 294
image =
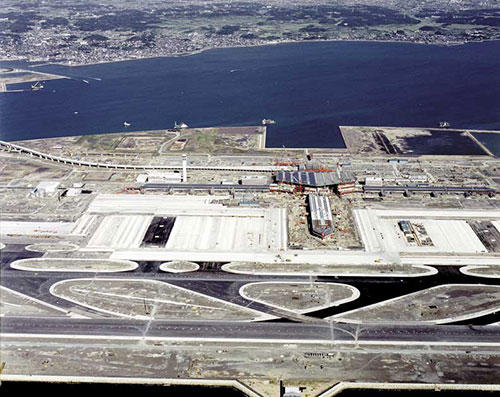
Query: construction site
pixel 254 267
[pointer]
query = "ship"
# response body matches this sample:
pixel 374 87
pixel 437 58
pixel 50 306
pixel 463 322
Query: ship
pixel 268 121
pixel 126 124
pixel 444 124
pixel 37 86
pixel 180 126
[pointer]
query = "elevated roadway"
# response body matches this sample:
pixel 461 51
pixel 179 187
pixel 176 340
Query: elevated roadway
pixel 81 163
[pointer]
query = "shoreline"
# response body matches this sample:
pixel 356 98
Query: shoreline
pixel 336 389
pixel 200 51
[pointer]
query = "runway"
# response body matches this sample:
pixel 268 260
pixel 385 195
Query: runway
pixel 322 333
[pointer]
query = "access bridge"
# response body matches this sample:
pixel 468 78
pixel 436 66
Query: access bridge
pixel 81 163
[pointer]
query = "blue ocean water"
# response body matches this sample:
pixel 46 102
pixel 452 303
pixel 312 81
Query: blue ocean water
pixel 491 141
pixel 308 88
pixel 63 389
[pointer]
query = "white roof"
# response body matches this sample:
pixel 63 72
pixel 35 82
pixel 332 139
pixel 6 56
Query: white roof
pixel 167 174
pixel 73 191
pixel 48 185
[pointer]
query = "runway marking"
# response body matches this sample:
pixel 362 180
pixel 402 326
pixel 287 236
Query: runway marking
pixel 252 340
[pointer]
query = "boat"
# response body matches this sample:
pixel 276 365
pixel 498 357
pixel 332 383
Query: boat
pixel 444 124
pixel 37 86
pixel 126 124
pixel 180 126
pixel 268 121
pixel 86 81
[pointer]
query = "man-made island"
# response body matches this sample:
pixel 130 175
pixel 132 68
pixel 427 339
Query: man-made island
pixel 199 256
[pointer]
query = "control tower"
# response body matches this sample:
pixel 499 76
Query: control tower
pixel 184 168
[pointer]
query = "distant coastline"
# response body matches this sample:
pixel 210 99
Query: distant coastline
pixel 191 53
pixel 309 89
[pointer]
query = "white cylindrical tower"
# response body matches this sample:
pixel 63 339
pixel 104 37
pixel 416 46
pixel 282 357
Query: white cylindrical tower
pixel 184 168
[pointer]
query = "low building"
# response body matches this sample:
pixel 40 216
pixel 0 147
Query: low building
pixel 253 180
pixel 244 196
pixel 346 176
pixel 292 392
pixel 73 191
pixel 348 188
pixel 46 188
pixel 347 183
pixel 249 203
pixel 373 181
pixel 164 177
pixel 320 214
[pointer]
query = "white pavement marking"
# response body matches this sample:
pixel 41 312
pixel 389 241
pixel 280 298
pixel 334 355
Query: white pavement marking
pixel 83 225
pixel 120 231
pixel 251 340
pixel 496 224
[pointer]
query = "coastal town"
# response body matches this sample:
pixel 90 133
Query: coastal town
pixel 113 30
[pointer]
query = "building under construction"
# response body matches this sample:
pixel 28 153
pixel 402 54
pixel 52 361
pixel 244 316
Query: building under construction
pixel 343 182
pixel 320 215
pixel 308 178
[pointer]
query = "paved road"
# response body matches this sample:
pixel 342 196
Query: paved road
pixel 288 331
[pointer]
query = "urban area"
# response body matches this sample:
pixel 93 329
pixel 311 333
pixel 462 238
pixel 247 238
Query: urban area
pixel 75 32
